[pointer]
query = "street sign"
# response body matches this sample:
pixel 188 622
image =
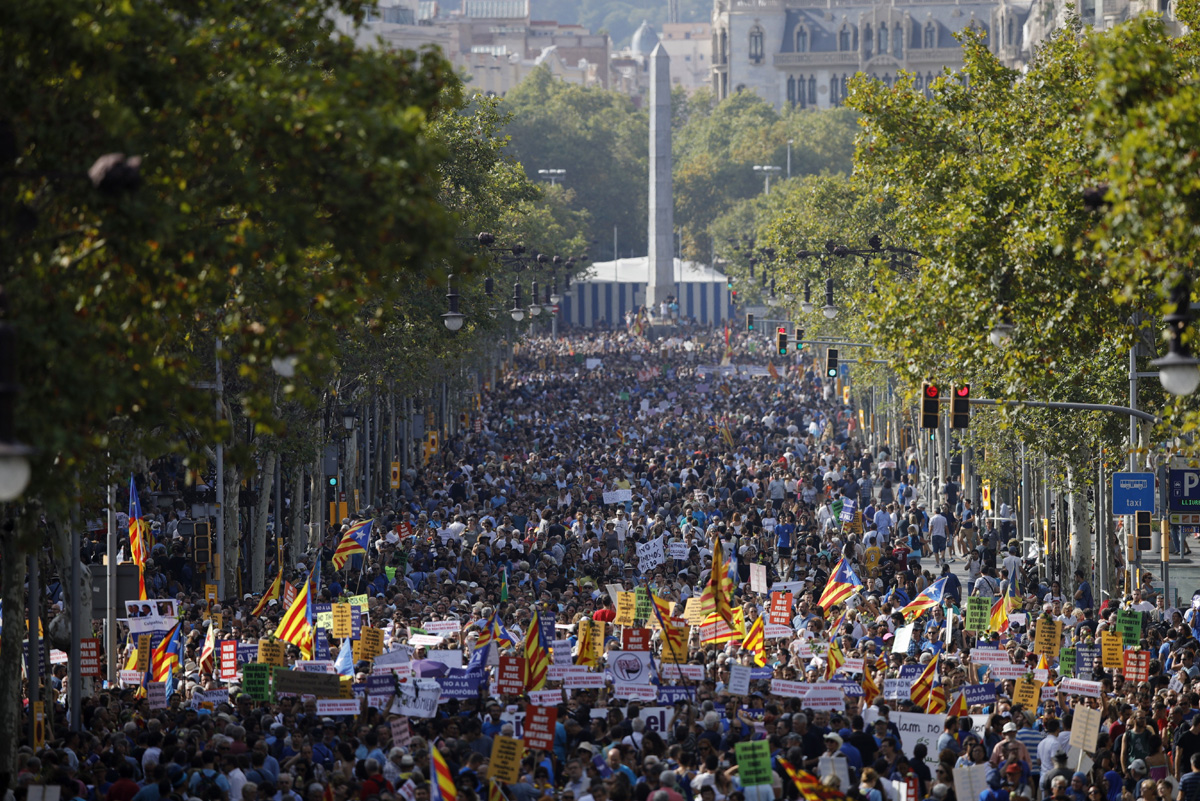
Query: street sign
pixel 1134 492
pixel 1185 490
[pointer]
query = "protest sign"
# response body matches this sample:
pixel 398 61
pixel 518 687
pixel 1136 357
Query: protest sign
pixel 1137 665
pixel 1086 659
pixel 758 578
pixel 970 782
pixel 917 728
pixel 342 621
pixel 1111 650
pixel 256 680
pixel 1047 637
pixel 788 689
pixel 978 613
pixel 641 605
pixel 143 652
pixel 635 640
pixel 89 657
pixel 417 699
pixel 979 693
pixel 1066 662
pixel 739 680
pixel 401 733
pixel 781 609
pixel 539 727
pixel 1088 689
pixel 299 682
pixel 272 652
pixel 679 551
pixel 1129 623
pixel 511 677
pixel 754 763
pixel 505 762
pixel 1085 727
pixel 1027 692
pixel 229 663
pixel 692 613
pixel 651 554
pixel 339 706
pixel 626 603
pixel 372 642
pixel 156 694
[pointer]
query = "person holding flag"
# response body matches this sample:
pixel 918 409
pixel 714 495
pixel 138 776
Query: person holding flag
pixel 139 538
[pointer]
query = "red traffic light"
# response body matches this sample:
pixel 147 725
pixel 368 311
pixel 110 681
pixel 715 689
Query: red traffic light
pixel 781 330
pixel 931 390
pixel 963 391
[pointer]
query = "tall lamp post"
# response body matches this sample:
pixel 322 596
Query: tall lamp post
pixel 553 175
pixel 766 170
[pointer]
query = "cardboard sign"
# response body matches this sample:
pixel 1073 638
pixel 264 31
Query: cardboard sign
pixel 342 623
pixel 272 652
pixel 1111 651
pixel 692 613
pixel 1027 692
pixel 89 657
pixel 978 613
pixel 511 678
pixel 758 578
pixel 1088 689
pixel 635 640
pixel 1066 662
pixel 1137 665
pixel 781 609
pixel 1085 727
pixel 1086 659
pixel 299 682
pixel 626 605
pixel 229 661
pixel 641 610
pixel 372 642
pixel 505 764
pixel 1047 637
pixel 339 706
pixel 754 763
pixel 143 653
pixel 739 680
pixel 539 727
pixel 256 680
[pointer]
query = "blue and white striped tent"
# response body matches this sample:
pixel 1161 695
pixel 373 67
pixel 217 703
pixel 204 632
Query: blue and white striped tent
pixel 608 289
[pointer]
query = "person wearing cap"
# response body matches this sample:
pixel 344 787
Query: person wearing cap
pixel 1009 746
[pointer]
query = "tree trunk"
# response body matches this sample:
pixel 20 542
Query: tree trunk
pixel 12 576
pixel 316 504
pixel 231 558
pixel 350 471
pixel 380 470
pixel 299 532
pixel 258 542
pixel 1081 531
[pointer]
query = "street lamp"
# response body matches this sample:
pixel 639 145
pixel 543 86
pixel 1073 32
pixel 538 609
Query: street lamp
pixel 1178 371
pixel 534 308
pixel 14 457
pixel 452 319
pixel 553 175
pixel 766 170
pixel 807 306
pixel 829 310
pixel 555 298
pixel 349 417
pixel 517 312
pixel 1002 331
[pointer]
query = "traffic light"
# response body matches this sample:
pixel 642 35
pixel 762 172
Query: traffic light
pixel 831 363
pixel 1142 529
pixel 960 407
pixel 202 543
pixel 930 395
pixel 729 284
pixel 799 339
pixel 781 341
pixel 333 481
pixel 749 323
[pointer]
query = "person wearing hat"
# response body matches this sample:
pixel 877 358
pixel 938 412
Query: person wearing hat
pixel 1009 747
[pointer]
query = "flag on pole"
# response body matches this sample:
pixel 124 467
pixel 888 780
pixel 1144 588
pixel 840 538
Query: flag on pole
pixel 208 654
pixel 931 596
pixel 959 707
pixel 999 617
pixel 755 641
pixel 843 584
pixel 936 705
pixel 271 594
pixel 494 791
pixel 537 656
pixel 504 584
pixel 810 789
pixel 834 659
pixel 923 686
pixel 870 688
pixel 441 784
pixel 165 658
pixel 354 541
pixel 296 626
pixel 586 644
pixel 139 536
pixel 718 591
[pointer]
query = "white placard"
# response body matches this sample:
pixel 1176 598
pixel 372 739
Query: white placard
pixel 315 666
pixel 425 640
pixel 451 658
pixel 1008 671
pixel 338 706
pixel 851 665
pixel 919 728
pixel 397 656
pixel 613 589
pixel 679 550
pixel 773 631
pixel 789 689
pixel 546 697
pixel 156 694
pixel 670 670
pixel 758 578
pixel 618 496
pixel 635 692
pixel 446 628
pixel 836 766
pixel 1085 727
pixel 584 681
pixel 903 638
pixel 651 554
pixel 896 689
pixel 990 656
pixel 970 782
pixel 558 672
pixel 739 680
pixel 417 699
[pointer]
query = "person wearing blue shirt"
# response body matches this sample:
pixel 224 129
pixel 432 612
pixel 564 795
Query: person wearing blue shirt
pixel 1083 592
pixel 953 585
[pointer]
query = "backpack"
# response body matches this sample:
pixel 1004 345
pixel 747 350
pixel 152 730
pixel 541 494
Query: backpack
pixel 207 787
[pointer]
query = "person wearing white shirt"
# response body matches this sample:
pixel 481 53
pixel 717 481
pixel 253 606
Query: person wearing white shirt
pixel 937 536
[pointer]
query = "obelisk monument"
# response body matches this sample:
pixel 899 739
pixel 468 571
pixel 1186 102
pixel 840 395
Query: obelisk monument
pixel 662 203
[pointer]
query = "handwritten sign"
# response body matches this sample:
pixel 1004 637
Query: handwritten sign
pixel 505 764
pixel 1047 638
pixel 372 642
pixel 1027 692
pixel 978 614
pixel 156 694
pixel 1137 665
pixel 1129 623
pixel 256 680
pixel 143 653
pixel 401 733
pixel 626 604
pixel 692 613
pixel 754 763
pixel 758 578
pixel 781 609
pixel 636 640
pixel 271 652
pixel 539 727
pixel 343 622
pixel 1111 651
pixel 1066 662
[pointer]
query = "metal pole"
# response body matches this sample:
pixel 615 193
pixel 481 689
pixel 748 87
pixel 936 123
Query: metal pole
pixel 1023 505
pixel 279 516
pixel 789 159
pixel 1164 551
pixel 75 691
pixel 110 591
pixel 34 669
pixel 1043 567
pixel 616 253
pixel 367 453
pixel 1133 441
pixel 1099 575
pixel 220 560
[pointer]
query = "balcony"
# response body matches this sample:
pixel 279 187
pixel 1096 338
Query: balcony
pixel 836 58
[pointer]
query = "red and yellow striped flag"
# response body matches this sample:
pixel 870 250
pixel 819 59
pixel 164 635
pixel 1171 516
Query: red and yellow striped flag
pixel 959 707
pixel 294 628
pixel 271 594
pixel 718 591
pixel 755 641
pixel 923 686
pixel 441 784
pixel 936 705
pixel 537 656
pixel 870 688
pixel 834 659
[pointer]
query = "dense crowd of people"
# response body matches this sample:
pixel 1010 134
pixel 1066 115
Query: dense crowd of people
pixel 612 459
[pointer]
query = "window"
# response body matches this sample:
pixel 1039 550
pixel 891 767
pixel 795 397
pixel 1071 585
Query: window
pixel 791 89
pixel 844 39
pixel 898 42
pixel 1011 29
pixel 834 96
pixel 918 82
pixel 756 45
pixel 801 40
pixel 930 36
pixel 883 40
pixel 812 90
pixel 724 47
pixel 868 41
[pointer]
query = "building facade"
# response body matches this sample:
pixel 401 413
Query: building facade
pixel 804 52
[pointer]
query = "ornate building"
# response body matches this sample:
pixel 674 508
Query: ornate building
pixel 804 52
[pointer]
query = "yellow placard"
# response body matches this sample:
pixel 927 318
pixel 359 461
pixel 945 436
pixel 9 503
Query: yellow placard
pixel 39 726
pixel 218 620
pixel 143 653
pixel 626 605
pixel 505 764
pixel 692 613
pixel 210 594
pixel 1048 637
pixel 1111 650
pixel 345 687
pixel 1027 692
pixel 342 617
pixel 271 652
pixel 372 642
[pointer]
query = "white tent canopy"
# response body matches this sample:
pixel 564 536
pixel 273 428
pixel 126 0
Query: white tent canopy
pixel 607 289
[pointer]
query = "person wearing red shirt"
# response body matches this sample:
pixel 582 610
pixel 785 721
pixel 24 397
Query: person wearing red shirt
pixel 375 783
pixel 606 613
pixel 124 788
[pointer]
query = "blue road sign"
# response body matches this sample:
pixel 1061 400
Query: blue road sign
pixel 1132 492
pixel 1185 490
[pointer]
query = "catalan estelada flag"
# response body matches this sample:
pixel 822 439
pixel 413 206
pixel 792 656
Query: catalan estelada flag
pixel 271 594
pixel 537 656
pixel 834 659
pixel 870 688
pixel 586 651
pixel 717 597
pixel 843 583
pixel 296 626
pixel 923 686
pixel 441 781
pixel 755 641
pixel 208 654
pixel 165 658
pixel 354 541
pixel 139 537
pixel 931 596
